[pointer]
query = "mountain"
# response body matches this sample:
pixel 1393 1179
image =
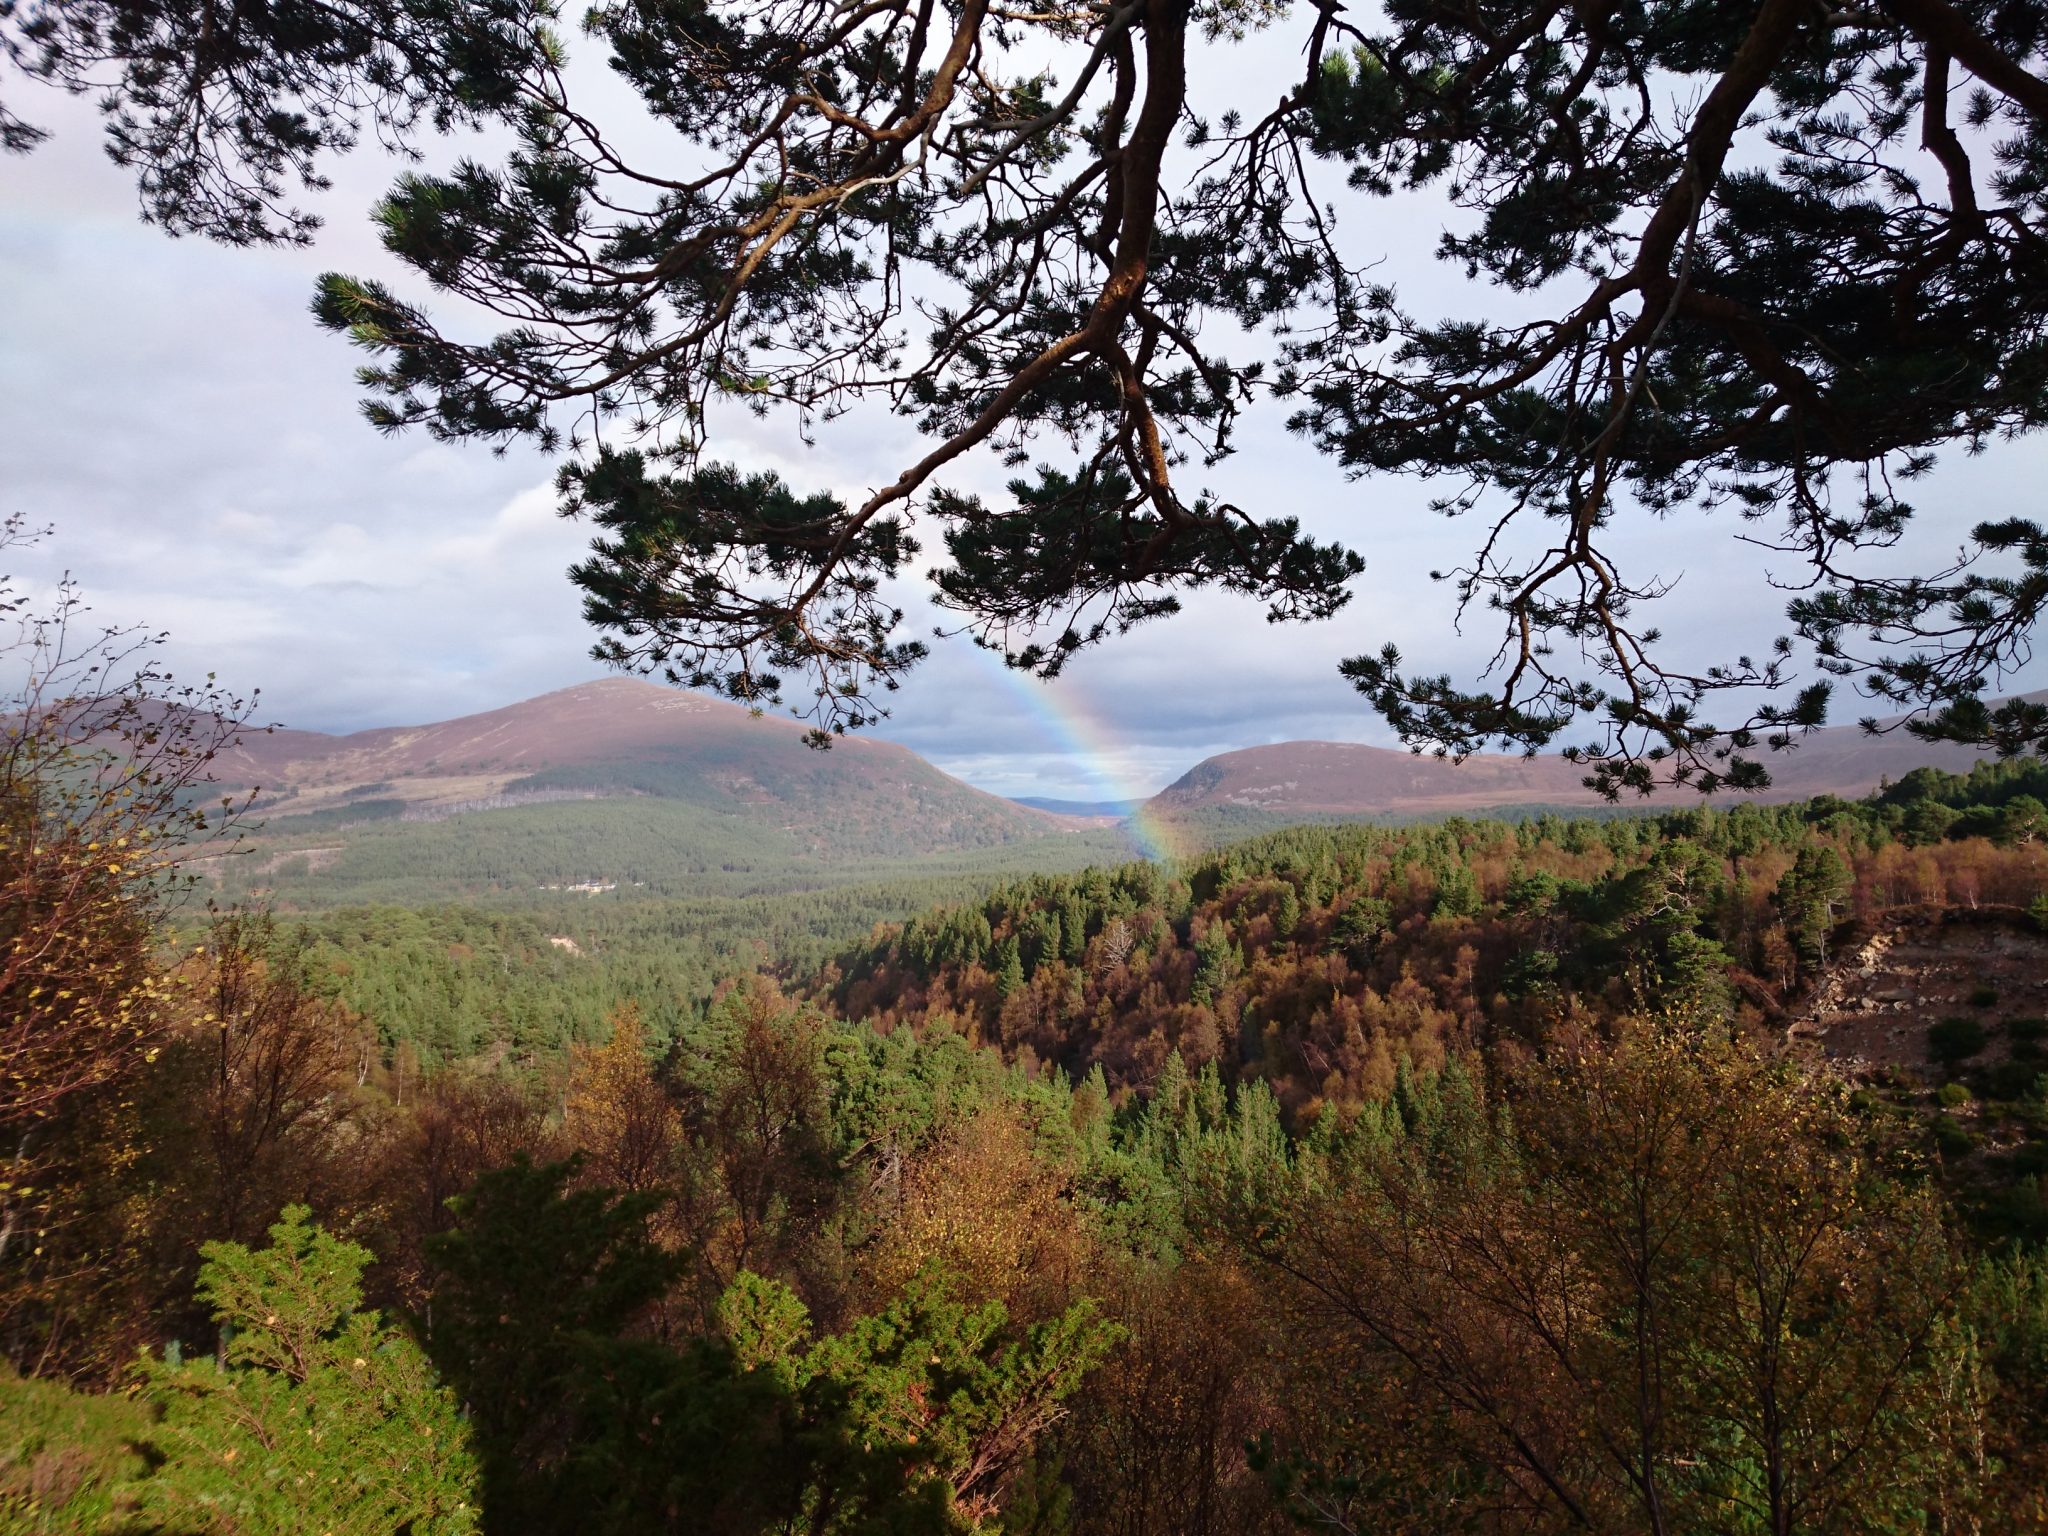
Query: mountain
pixel 607 785
pixel 625 787
pixel 1322 778
pixel 618 737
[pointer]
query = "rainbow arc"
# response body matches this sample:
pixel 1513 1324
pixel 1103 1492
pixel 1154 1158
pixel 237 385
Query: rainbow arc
pixel 1077 730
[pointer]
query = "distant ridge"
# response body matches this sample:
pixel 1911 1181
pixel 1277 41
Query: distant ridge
pixel 600 721
pixel 750 786
pixel 1321 778
pixel 1092 810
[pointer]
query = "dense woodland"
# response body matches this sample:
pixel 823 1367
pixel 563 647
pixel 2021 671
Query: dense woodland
pixel 1451 1177
pixel 1317 959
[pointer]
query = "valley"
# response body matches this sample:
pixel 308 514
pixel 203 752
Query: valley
pixel 616 788
pixel 631 790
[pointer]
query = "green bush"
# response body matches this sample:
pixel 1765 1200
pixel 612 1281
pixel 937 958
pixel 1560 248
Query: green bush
pixel 2017 1214
pixel 2011 1081
pixel 1952 1137
pixel 68 1460
pixel 1956 1039
pixel 322 1418
pixel 2025 1038
pixel 1953 1095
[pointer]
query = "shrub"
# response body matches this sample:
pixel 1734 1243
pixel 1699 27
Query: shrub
pixel 68 1460
pixel 1956 1039
pixel 2011 1081
pixel 1953 1095
pixel 2017 1214
pixel 2023 1037
pixel 322 1417
pixel 1952 1137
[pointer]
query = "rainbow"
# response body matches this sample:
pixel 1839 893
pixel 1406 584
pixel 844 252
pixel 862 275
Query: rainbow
pixel 1061 709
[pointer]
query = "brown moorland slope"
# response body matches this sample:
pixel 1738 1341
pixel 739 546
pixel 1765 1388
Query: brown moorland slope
pixel 620 736
pixel 1342 778
pixel 604 721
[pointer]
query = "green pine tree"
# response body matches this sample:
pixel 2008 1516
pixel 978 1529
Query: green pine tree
pixel 1360 927
pixel 1811 896
pixel 1073 928
pixel 1217 960
pixel 1009 967
pixel 317 1417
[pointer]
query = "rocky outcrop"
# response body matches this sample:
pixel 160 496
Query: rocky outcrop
pixel 1889 986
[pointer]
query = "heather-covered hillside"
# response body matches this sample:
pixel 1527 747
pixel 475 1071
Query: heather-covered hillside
pixel 1299 779
pixel 745 778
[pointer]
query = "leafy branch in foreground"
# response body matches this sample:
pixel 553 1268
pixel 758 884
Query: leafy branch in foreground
pixel 104 759
pixel 318 1416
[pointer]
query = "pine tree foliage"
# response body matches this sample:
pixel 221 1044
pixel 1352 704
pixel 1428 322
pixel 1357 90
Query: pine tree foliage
pixel 318 1415
pixel 1763 256
pixel 220 111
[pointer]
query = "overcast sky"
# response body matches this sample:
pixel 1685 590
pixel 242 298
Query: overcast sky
pixel 172 409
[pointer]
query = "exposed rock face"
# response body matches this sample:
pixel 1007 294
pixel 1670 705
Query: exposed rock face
pixel 1881 996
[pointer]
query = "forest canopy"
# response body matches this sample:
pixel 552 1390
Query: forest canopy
pixel 1769 257
pixel 1466 1177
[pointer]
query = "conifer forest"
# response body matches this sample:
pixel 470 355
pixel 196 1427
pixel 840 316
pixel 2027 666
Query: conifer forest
pixel 556 1137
